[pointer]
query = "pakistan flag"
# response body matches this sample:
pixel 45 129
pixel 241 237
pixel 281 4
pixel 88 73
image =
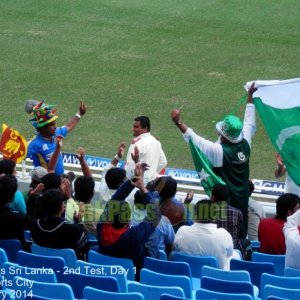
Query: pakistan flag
pixel 278 105
pixel 202 165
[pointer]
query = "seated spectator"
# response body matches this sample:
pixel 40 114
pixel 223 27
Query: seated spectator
pixel 270 232
pixel 12 223
pixel 292 240
pixel 35 189
pixel 256 213
pixel 203 237
pixel 54 231
pixel 228 217
pixel 115 236
pixel 8 167
pixel 89 214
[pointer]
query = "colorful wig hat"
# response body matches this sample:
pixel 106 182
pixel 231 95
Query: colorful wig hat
pixel 43 114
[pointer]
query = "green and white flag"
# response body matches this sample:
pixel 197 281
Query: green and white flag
pixel 278 105
pixel 202 165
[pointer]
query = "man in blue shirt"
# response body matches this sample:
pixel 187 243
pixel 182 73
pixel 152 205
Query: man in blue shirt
pixel 42 146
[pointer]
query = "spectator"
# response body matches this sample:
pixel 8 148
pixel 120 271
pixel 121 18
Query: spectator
pixel 280 170
pixel 112 177
pixel 270 232
pixel 149 148
pixel 42 147
pixel 12 223
pixel 256 213
pixel 115 236
pixel 8 167
pixel 89 215
pixel 228 217
pixel 292 240
pixel 54 231
pixel 230 156
pixel 203 237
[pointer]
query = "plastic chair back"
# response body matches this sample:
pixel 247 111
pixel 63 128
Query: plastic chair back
pixel 90 293
pixel 11 247
pixel 170 297
pixel 255 269
pixel 238 275
pixel 79 281
pixel 291 272
pixel 117 272
pixel 285 293
pixel 56 263
pixel 3 257
pixel 277 260
pixel 153 278
pixel 42 289
pixel 204 294
pixel 196 262
pixel 167 267
pixel 98 258
pixel 227 286
pixel 152 292
pixel 67 254
pixel 279 281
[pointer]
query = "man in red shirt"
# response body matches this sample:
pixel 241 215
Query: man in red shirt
pixel 270 232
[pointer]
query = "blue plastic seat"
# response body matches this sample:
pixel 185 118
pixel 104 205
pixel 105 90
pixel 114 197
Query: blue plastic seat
pixel 153 278
pixel 291 272
pixel 79 281
pixel 167 267
pixel 11 247
pixel 277 260
pixel 12 270
pixel 126 263
pixel 255 269
pixel 90 293
pixel 117 272
pixel 238 275
pixel 196 262
pixel 204 294
pixel 255 245
pixel 57 263
pixel 279 281
pixel 42 289
pixel 151 292
pixel 3 257
pixel 227 286
pixel 285 293
pixel 68 254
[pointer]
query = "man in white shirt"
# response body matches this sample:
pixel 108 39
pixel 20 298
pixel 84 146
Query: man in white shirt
pixel 149 148
pixel 203 237
pixel 292 240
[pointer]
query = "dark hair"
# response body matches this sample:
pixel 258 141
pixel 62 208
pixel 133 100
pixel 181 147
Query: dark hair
pixel 285 203
pixel 118 213
pixel 8 188
pixel 51 181
pixel 7 166
pixel 114 177
pixel 166 186
pixel 51 201
pixel 84 188
pixel 144 121
pixel 220 192
pixel 251 187
pixel 203 212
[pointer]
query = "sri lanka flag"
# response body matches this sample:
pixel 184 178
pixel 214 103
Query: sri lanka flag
pixel 13 145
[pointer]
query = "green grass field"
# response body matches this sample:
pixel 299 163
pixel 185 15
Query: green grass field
pixel 131 57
